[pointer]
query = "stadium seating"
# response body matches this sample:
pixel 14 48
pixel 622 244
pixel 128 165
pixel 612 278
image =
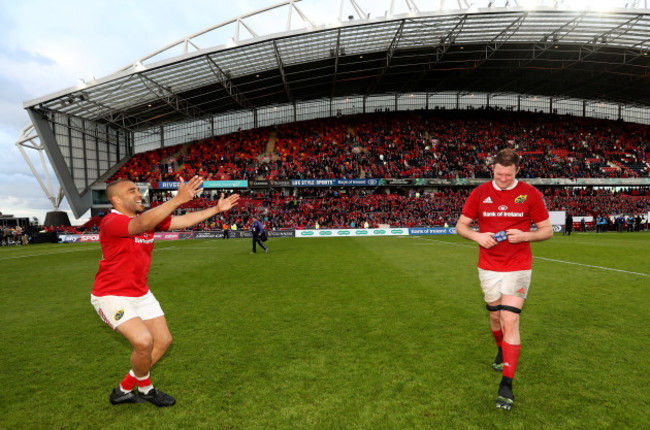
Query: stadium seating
pixel 431 144
pixel 332 210
pixel 406 145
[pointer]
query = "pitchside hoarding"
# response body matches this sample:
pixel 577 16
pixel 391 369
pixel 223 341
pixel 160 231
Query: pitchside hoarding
pixel 175 235
pixel 173 185
pixel 335 182
pixel 353 232
pixel 239 234
pixel 422 231
pixel 69 238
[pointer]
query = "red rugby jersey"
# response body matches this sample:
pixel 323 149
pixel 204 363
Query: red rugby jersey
pixel 125 262
pixel 498 210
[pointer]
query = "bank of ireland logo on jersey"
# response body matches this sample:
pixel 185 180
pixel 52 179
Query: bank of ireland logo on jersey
pixel 522 198
pixel 119 314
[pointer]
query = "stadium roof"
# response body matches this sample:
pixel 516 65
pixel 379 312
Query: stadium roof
pixel 505 47
pixel 543 50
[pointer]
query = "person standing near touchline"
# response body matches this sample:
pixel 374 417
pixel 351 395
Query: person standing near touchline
pixel 120 293
pixel 505 208
pixel 257 228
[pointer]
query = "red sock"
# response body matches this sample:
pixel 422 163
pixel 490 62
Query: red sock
pixel 144 382
pixel 498 336
pixel 128 383
pixel 510 357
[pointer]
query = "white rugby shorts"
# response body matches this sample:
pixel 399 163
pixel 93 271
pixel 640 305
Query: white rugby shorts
pixel 497 284
pixel 114 310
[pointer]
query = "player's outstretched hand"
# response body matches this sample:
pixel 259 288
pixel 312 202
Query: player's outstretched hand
pixel 188 190
pixel 226 204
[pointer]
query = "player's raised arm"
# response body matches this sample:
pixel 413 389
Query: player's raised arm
pixel 151 218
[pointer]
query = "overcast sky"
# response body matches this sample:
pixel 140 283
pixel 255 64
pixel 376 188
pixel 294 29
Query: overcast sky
pixel 47 46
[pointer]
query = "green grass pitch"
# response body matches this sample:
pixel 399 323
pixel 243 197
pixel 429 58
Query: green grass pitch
pixel 333 333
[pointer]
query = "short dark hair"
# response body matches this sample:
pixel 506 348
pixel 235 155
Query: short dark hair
pixel 109 188
pixel 507 157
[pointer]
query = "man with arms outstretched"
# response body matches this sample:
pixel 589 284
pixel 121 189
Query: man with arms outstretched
pixel 120 293
pixel 505 208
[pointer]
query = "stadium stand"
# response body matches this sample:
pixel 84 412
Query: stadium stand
pixel 436 144
pixel 333 209
pixel 433 144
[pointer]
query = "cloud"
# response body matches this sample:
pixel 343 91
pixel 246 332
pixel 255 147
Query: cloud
pixel 47 46
pixel 22 196
pixel 12 118
pixel 19 55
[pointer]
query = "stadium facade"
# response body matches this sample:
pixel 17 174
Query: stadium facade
pixel 546 57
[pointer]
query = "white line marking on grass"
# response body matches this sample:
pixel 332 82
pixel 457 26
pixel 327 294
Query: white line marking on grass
pixel 542 258
pixel 171 248
pixel 462 245
pixel 595 267
pixel 49 253
pixel 82 250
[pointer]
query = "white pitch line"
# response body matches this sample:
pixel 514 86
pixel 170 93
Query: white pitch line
pixel 86 249
pixel 547 259
pixel 49 253
pixel 162 248
pixel 595 267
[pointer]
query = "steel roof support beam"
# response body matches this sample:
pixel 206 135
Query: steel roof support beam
pixel 631 55
pixel 117 118
pixel 241 23
pixel 121 117
pixel 42 125
pixel 497 42
pixel 389 56
pixel 278 58
pixel 445 43
pixel 551 40
pixel 503 37
pixel 547 43
pixel 102 111
pixel 360 12
pixel 598 44
pixel 227 84
pixel 177 103
pixel 305 18
pixel 26 140
pixel 412 6
pixel 607 37
pixel 337 53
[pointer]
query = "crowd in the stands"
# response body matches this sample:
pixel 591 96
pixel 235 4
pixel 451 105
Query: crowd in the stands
pixel 423 144
pixel 359 207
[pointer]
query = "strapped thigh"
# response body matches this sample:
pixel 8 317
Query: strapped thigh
pixel 510 309
pixel 493 308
